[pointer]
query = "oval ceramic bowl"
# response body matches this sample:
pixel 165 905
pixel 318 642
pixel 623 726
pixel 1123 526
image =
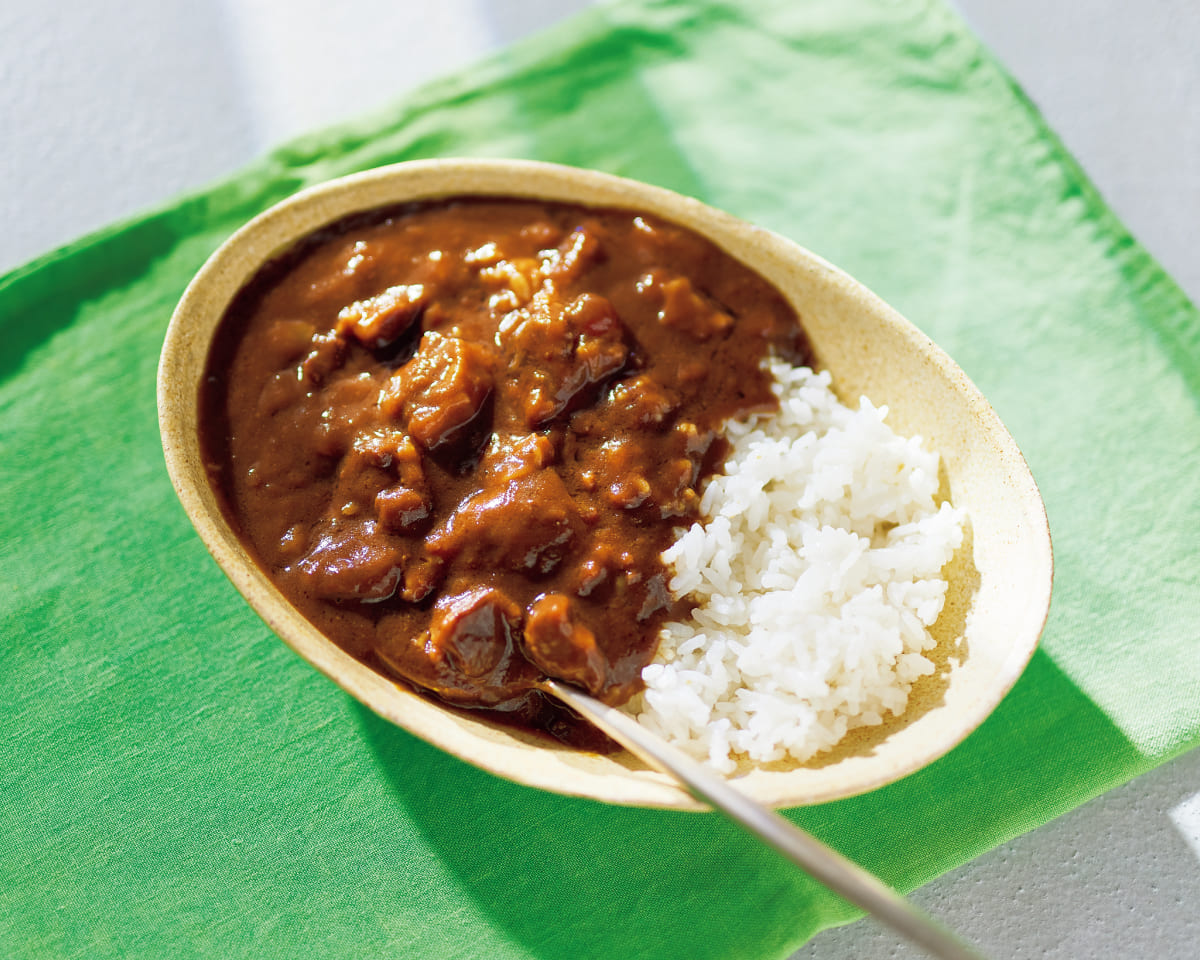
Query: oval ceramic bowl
pixel 1000 580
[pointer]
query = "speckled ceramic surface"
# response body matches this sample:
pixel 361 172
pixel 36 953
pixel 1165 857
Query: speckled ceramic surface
pixel 1000 580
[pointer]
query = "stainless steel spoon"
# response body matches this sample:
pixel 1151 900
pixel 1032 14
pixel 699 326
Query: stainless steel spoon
pixel 823 863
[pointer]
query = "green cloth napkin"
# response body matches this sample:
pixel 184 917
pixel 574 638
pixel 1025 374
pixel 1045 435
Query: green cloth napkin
pixel 175 782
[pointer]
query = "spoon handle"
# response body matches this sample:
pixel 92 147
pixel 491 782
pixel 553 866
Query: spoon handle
pixel 825 864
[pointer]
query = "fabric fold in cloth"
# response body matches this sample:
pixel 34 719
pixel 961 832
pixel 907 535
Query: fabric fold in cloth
pixel 176 782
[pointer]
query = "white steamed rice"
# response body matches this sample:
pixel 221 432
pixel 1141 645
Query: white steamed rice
pixel 817 575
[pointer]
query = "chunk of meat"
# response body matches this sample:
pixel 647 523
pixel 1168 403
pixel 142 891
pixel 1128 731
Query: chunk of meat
pixel 661 478
pixel 383 318
pixel 558 643
pixel 391 449
pixel 527 525
pixel 440 391
pixel 469 654
pixel 347 413
pixel 644 401
pixel 596 571
pixel 510 456
pixel 422 575
pixel 682 307
pixel 349 561
pixel 515 280
pixel 590 315
pixel 474 632
pixel 568 261
pixel 402 508
pixel 324 356
pixel 560 354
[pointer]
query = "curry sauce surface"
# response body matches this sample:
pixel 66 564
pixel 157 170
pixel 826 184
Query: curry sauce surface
pixel 459 435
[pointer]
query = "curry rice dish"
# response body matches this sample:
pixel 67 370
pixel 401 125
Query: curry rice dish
pixel 460 437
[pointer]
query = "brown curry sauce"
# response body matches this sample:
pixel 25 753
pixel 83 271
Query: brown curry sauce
pixel 458 436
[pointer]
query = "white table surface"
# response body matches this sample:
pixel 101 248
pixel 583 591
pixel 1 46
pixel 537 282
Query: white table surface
pixel 110 108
